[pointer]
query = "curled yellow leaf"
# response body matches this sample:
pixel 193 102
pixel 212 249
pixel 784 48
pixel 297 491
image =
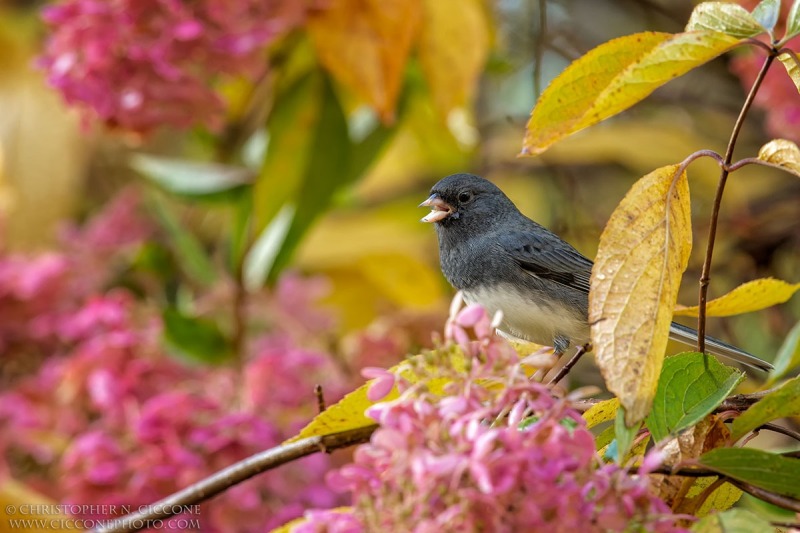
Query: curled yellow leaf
pixel 746 298
pixel 792 68
pixel 642 255
pixel 782 153
pixel 613 77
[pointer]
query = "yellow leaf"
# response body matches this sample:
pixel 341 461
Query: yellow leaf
pixel 746 298
pixel 405 280
pixel 782 153
pixel 288 526
pixel 604 411
pixel 453 45
pixel 726 17
pixel 348 413
pixel 642 254
pixel 365 45
pixel 613 77
pixel 720 500
pixel 792 69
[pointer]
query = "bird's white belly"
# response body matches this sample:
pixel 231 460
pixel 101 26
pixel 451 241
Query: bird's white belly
pixel 529 320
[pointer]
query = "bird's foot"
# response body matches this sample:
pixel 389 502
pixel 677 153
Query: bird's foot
pixel 564 370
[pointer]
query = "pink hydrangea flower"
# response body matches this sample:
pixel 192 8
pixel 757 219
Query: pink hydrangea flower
pixel 483 457
pixel 140 64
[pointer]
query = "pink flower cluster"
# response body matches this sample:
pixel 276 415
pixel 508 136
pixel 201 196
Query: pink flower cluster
pixel 140 64
pixel 496 453
pixel 116 421
pixel 39 293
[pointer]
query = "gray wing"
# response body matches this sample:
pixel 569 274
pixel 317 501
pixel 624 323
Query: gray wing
pixel 546 256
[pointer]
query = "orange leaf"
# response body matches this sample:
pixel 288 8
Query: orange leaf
pixel 365 45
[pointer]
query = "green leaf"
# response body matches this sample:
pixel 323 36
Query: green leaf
pixel 291 125
pixel 189 178
pixel 192 258
pixel 732 521
pixel 731 19
pixel 756 467
pixel 780 403
pixel 690 387
pixel 309 159
pixel 766 13
pixel 613 77
pixel 788 357
pixel 194 338
pixel 792 22
pixel 624 435
pixel 261 257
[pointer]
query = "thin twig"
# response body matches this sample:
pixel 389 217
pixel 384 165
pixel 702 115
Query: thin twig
pixel 784 502
pixel 224 479
pixel 539 49
pixel 705 277
pixel 320 397
pixel 756 161
pixel 787 525
pixel 780 429
pixel 737 402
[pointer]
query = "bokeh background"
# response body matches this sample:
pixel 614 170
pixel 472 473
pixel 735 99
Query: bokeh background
pixel 205 233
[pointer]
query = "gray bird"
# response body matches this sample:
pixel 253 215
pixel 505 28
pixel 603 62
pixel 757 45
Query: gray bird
pixel 505 261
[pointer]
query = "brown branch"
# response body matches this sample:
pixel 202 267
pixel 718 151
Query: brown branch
pixel 737 402
pixel 224 479
pixel 705 277
pixel 780 429
pixel 784 502
pixel 787 525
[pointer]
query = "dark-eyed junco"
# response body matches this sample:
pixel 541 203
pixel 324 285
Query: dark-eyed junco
pixel 504 261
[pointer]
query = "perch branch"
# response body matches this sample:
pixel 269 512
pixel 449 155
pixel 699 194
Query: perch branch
pixel 224 479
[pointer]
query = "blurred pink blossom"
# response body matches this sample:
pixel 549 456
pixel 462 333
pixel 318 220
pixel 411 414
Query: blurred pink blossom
pixel 103 414
pixel 140 64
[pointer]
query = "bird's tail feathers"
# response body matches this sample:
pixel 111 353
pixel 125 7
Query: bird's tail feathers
pixel 688 336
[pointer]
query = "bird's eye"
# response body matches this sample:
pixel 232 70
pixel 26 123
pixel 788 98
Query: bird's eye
pixel 465 197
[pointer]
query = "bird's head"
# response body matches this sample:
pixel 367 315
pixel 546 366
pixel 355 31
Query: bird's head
pixel 468 201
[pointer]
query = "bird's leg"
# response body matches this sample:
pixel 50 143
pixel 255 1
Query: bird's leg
pixel 564 370
pixel 560 345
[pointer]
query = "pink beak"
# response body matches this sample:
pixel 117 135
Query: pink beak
pixel 439 209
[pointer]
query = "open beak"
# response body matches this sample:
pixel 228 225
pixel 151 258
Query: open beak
pixel 439 209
